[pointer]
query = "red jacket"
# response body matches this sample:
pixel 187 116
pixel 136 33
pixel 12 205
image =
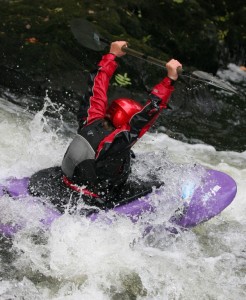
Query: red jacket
pixel 111 162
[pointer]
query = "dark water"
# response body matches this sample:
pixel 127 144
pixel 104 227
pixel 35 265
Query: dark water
pixel 210 115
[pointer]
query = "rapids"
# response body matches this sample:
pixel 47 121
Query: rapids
pixel 76 259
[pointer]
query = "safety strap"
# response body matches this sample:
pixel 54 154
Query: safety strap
pixel 77 188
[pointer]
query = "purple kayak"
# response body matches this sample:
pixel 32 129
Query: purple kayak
pixel 197 204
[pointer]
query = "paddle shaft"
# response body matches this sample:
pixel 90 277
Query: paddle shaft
pixel 137 54
pixel 147 58
pixel 142 56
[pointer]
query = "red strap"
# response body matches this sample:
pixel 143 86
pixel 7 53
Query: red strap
pixel 77 188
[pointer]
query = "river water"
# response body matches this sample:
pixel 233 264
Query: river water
pixel 76 259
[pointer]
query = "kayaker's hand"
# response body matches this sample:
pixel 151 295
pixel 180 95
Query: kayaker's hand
pixel 116 48
pixel 172 67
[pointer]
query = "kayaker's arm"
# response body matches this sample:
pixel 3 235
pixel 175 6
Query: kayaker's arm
pixel 94 102
pixel 158 99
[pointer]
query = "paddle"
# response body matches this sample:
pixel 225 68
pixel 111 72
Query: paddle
pixel 87 35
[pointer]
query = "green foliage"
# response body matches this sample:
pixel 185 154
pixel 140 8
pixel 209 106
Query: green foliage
pixel 222 35
pixel 122 80
pixel 178 1
pixel 146 38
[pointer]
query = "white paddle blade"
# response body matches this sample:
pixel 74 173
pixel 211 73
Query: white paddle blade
pixel 212 80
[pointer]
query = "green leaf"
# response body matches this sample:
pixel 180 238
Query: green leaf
pixel 122 80
pixel 178 1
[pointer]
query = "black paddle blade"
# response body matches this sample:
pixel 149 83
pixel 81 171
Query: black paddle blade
pixel 212 80
pixel 86 34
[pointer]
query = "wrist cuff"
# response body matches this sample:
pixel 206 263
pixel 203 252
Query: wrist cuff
pixel 110 56
pixel 168 81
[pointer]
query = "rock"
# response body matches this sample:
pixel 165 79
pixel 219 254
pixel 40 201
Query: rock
pixel 39 52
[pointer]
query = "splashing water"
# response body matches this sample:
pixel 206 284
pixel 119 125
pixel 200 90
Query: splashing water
pixel 77 259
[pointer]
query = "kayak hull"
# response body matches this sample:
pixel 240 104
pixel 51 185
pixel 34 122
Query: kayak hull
pixel 197 204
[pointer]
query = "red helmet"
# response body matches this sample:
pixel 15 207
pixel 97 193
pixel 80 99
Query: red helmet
pixel 121 110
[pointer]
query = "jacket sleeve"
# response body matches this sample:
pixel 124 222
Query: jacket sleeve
pixel 158 99
pixel 94 102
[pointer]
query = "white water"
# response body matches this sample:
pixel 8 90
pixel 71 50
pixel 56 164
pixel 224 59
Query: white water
pixel 80 260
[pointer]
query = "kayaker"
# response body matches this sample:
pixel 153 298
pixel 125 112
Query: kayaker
pixel 97 162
